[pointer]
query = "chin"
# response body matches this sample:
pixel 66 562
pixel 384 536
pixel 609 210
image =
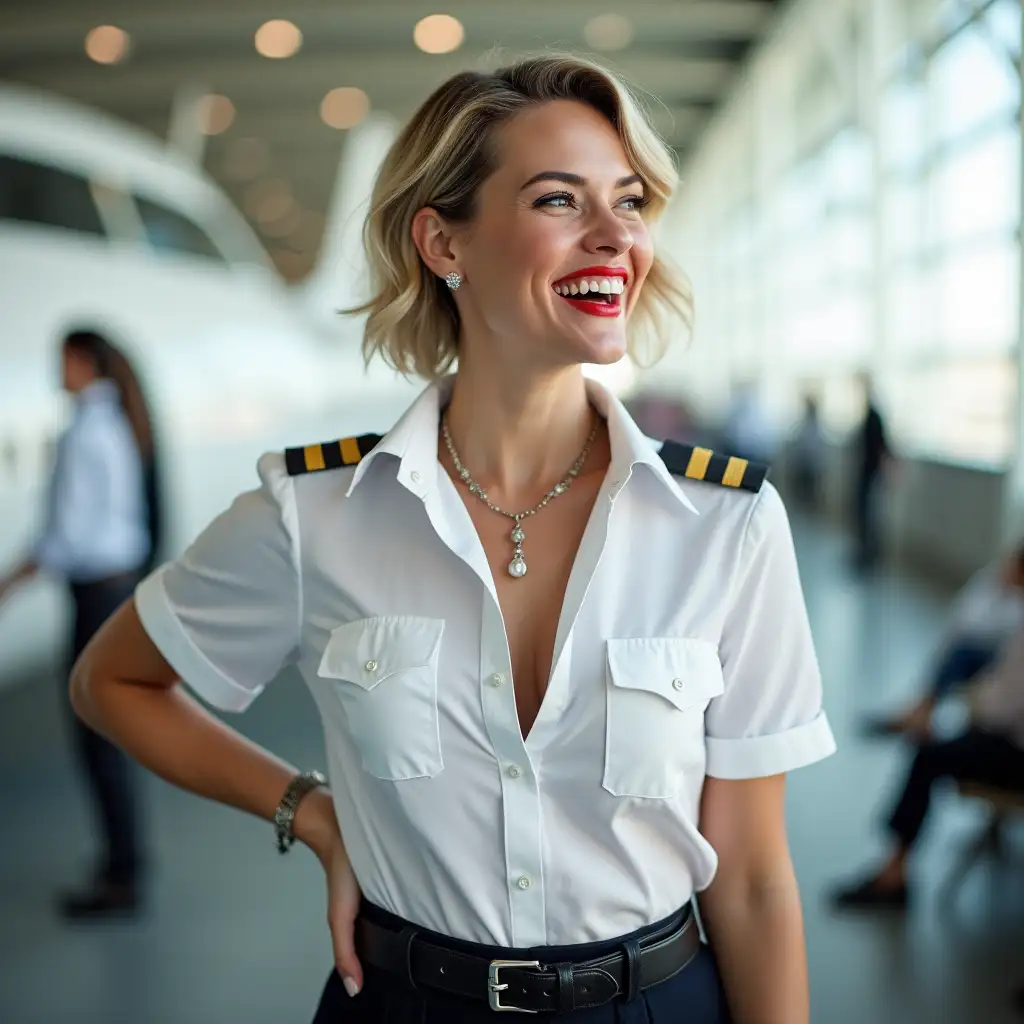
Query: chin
pixel 601 351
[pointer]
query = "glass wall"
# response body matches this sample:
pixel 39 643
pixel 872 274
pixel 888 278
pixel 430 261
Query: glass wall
pixel 858 207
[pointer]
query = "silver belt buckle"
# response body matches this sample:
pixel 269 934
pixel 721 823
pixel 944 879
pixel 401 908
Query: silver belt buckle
pixel 495 988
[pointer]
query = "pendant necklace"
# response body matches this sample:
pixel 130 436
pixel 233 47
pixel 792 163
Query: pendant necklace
pixel 517 567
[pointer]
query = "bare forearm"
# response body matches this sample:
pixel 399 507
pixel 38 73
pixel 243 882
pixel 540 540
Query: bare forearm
pixel 758 938
pixel 171 734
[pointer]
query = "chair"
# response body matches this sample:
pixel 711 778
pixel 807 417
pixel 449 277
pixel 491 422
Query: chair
pixel 1002 804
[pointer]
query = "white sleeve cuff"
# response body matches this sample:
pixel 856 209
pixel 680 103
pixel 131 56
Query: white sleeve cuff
pixel 166 631
pixel 755 757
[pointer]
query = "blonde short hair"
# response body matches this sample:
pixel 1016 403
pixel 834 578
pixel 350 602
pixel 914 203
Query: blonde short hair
pixel 440 160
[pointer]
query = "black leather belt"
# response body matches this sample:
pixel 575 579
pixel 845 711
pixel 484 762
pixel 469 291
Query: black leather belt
pixel 529 986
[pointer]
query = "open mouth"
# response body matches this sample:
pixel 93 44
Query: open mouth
pixel 596 295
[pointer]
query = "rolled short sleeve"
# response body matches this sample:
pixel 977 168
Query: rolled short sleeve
pixel 227 614
pixel 769 717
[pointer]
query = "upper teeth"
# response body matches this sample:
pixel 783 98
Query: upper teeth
pixel 603 285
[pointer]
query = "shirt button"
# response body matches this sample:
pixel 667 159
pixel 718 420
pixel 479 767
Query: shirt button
pixel 515 771
pixel 677 684
pixel 371 666
pixel 497 679
pixel 415 476
pixel 524 882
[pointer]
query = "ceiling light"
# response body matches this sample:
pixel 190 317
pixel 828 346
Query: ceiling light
pixel 608 32
pixel 215 114
pixel 268 200
pixel 438 33
pixel 107 44
pixel 344 107
pixel 246 159
pixel 278 39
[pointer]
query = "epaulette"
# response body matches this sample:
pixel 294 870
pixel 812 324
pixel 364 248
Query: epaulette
pixel 329 455
pixel 703 464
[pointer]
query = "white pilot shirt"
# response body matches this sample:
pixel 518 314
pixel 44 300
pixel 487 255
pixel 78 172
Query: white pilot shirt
pixel 95 523
pixel 683 649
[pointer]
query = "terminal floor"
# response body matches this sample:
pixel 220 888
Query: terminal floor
pixel 235 934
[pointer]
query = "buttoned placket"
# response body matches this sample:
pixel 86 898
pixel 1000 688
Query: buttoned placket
pixel 517 760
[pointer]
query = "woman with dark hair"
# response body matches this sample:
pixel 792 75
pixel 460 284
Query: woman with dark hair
pixel 101 535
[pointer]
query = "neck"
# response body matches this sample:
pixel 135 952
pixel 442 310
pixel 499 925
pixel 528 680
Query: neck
pixel 519 432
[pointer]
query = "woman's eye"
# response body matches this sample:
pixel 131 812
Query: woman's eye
pixel 634 202
pixel 559 200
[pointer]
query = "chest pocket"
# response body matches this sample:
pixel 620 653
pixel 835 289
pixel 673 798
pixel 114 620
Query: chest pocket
pixel 658 689
pixel 384 672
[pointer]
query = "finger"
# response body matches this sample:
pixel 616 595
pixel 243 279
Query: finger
pixel 342 923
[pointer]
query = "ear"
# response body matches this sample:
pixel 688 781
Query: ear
pixel 432 238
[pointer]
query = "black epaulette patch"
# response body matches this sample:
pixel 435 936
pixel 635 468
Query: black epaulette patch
pixel 329 455
pixel 703 464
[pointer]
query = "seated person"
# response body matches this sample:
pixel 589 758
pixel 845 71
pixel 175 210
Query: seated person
pixel 987 611
pixel 990 751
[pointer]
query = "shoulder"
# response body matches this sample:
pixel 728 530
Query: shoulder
pixel 324 455
pixel 692 462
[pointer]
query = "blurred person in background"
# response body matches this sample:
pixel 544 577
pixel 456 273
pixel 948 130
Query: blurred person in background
pixel 872 456
pixel 100 535
pixel 509 229
pixel 990 751
pixel 748 430
pixel 808 456
pixel 986 613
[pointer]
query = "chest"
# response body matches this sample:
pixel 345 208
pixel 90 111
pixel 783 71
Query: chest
pixel 531 605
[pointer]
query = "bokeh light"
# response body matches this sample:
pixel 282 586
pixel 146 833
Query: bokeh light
pixel 216 114
pixel 107 44
pixel 438 33
pixel 344 107
pixel 278 39
pixel 608 32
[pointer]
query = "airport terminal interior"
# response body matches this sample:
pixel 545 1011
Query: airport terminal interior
pixel 192 177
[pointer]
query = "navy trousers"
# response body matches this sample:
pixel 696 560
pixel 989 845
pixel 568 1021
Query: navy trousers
pixel 109 774
pixel 693 996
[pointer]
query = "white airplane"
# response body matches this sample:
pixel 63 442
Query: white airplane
pixel 103 226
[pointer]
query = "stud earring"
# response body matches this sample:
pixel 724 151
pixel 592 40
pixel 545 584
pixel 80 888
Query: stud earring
pixel 453 280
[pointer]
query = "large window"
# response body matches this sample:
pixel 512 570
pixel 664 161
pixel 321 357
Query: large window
pixel 858 207
pixel 171 231
pixel 951 212
pixel 36 193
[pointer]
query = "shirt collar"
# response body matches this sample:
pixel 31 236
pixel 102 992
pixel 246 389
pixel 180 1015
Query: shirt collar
pixel 413 440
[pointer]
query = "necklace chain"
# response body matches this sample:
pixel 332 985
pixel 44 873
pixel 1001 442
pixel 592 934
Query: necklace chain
pixel 517 567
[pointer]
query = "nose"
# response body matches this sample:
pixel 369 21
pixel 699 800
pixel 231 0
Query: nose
pixel 608 235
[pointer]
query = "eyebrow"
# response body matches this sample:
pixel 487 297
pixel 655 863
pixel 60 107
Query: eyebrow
pixel 575 179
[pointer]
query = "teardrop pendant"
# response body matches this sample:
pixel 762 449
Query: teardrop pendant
pixel 517 567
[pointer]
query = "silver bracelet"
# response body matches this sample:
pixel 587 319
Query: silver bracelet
pixel 284 816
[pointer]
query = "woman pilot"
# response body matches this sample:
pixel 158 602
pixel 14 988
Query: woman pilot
pixel 561 673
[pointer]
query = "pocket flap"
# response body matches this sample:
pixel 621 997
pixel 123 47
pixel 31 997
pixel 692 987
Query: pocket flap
pixel 367 651
pixel 683 670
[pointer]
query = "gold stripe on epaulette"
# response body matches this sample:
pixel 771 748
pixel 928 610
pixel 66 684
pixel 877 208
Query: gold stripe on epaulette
pixel 313 454
pixel 698 464
pixel 350 453
pixel 733 475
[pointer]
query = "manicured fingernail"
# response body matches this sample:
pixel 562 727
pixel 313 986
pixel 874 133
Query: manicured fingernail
pixel 351 987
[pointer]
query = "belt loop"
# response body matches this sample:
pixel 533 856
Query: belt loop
pixel 405 938
pixel 566 988
pixel 632 979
